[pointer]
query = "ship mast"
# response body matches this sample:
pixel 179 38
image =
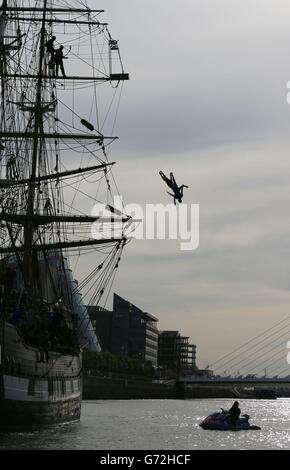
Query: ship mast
pixel 34 139
pixel 2 315
pixel 38 128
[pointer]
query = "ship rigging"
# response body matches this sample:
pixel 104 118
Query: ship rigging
pixel 57 124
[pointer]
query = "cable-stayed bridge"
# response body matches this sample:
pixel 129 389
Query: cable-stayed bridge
pixel 260 364
pixel 229 387
pixel 265 355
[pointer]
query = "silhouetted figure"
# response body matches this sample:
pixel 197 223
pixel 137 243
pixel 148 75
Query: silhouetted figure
pixel 50 46
pixel 234 414
pixel 58 60
pixel 51 51
pixel 178 190
pixel 48 206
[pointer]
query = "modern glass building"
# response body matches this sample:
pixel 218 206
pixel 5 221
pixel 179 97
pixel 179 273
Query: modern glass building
pixel 134 332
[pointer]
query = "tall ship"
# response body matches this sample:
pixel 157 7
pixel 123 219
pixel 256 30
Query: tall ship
pixel 61 78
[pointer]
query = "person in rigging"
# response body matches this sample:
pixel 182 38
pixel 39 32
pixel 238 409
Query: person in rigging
pixel 51 51
pixel 177 190
pixel 50 46
pixel 48 206
pixel 58 60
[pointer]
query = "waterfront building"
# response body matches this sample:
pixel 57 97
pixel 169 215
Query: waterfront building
pixel 134 332
pixel 126 331
pixel 176 353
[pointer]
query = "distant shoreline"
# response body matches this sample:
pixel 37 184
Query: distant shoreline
pixel 129 388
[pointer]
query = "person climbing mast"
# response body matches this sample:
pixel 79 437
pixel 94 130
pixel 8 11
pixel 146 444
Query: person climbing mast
pixel 177 190
pixel 50 46
pixel 58 60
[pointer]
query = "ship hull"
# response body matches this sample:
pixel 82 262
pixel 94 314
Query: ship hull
pixel 21 415
pixel 37 389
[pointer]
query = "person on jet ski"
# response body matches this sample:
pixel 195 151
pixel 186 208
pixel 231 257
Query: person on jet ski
pixel 234 414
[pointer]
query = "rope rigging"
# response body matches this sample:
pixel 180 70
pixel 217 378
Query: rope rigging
pixel 64 109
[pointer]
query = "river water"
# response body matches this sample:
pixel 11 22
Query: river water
pixel 160 425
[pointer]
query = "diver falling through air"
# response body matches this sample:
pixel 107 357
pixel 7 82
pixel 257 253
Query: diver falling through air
pixel 177 190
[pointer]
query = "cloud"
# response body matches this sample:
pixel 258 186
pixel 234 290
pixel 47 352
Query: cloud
pixel 207 100
pixel 204 77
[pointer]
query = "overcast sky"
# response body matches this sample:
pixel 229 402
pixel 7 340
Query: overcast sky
pixel 207 100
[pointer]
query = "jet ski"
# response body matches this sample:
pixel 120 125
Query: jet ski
pixel 220 422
